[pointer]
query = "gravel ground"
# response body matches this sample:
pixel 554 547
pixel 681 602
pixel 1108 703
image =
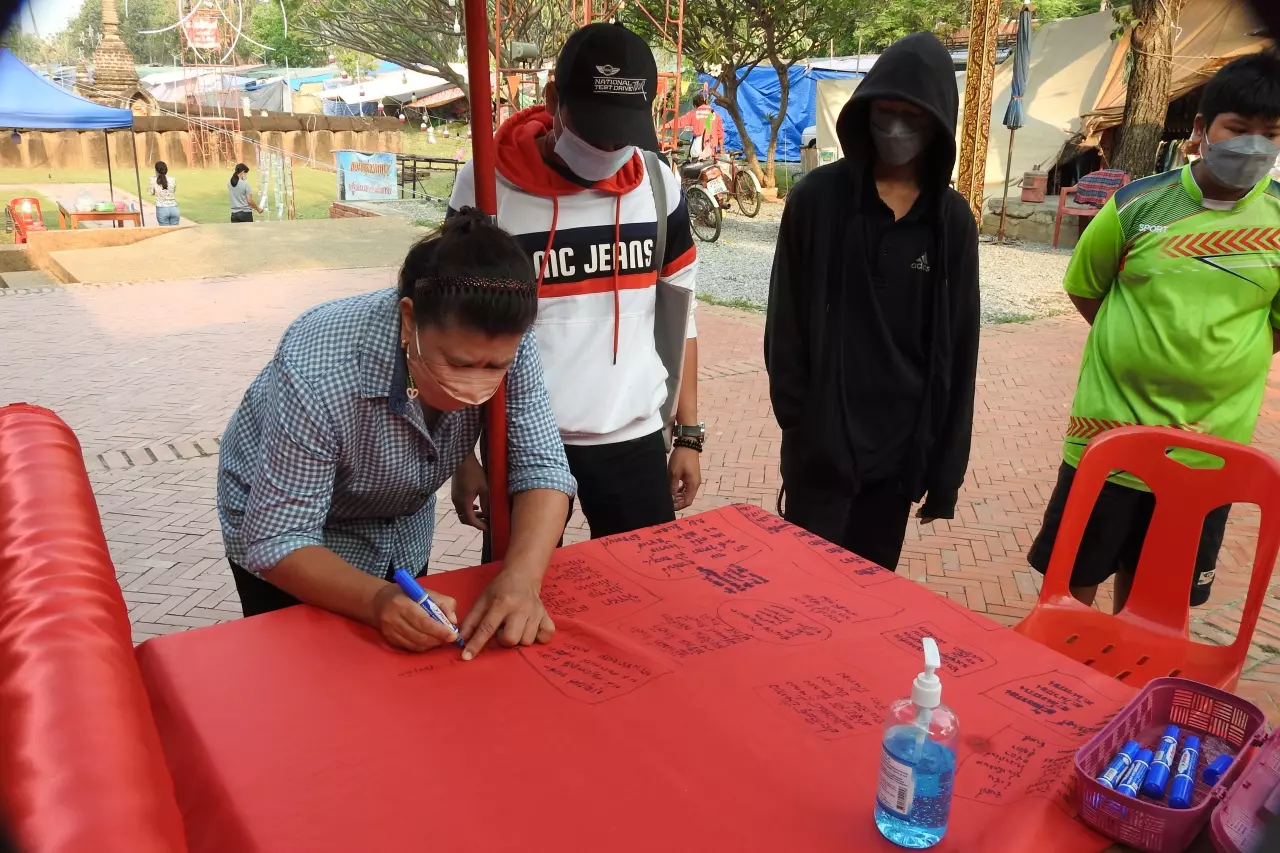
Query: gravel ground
pixel 417 210
pixel 1018 282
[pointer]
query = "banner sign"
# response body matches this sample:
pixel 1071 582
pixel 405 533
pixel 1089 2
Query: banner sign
pixel 203 32
pixel 366 177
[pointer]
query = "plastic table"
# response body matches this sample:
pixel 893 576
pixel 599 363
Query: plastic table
pixel 719 683
pixel 117 218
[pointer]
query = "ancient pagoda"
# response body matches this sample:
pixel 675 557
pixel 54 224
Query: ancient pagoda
pixel 115 80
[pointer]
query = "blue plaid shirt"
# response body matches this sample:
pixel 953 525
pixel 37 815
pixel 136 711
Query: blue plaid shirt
pixel 327 449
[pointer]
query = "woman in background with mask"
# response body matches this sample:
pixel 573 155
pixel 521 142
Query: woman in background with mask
pixel 329 468
pixel 871 338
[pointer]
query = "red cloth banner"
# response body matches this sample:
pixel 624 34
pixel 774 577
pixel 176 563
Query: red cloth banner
pixel 719 683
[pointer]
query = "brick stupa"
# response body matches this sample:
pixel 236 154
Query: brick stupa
pixel 115 79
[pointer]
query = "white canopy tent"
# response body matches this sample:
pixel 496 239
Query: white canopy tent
pixel 399 86
pixel 1069 60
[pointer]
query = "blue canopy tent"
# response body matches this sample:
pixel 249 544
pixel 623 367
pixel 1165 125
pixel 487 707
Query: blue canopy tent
pixel 759 97
pixel 30 102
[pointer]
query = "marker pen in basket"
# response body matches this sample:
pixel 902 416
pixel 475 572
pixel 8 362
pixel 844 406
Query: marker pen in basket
pixel 1217 768
pixel 1119 764
pixel 1162 764
pixel 414 590
pixel 1132 782
pixel 1184 783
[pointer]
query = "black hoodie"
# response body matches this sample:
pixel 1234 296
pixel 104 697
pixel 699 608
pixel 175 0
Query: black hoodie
pixel 815 282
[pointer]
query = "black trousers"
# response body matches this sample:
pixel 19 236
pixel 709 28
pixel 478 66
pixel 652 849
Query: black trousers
pixel 258 596
pixel 871 524
pixel 621 487
pixel 242 216
pixel 624 486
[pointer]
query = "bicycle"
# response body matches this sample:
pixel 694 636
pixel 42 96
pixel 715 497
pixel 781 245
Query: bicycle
pixel 743 185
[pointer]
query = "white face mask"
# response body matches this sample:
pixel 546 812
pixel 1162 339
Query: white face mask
pixel 1241 161
pixel 587 161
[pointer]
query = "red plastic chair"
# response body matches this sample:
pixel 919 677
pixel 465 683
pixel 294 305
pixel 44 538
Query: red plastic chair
pixel 1084 212
pixel 1149 637
pixel 26 217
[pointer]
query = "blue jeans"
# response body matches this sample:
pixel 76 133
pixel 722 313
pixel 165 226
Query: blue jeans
pixel 167 215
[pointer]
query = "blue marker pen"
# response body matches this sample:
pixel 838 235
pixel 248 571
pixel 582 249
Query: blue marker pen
pixel 1184 784
pixel 1119 764
pixel 414 590
pixel 1132 782
pixel 1161 764
pixel 1216 769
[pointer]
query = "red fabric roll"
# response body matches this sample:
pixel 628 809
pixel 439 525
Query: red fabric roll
pixel 81 767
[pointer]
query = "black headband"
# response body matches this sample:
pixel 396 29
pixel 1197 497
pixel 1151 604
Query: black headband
pixel 473 283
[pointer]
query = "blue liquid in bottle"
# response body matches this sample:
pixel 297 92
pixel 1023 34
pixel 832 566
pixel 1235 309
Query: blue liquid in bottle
pixel 918 816
pixel 918 761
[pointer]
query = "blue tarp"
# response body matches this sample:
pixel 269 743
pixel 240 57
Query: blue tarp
pixel 758 97
pixel 30 102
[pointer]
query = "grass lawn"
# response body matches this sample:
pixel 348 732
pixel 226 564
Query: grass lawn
pixel 414 141
pixel 202 193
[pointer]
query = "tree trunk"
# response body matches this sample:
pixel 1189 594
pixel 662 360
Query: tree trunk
pixel 775 126
pixel 729 100
pixel 1147 96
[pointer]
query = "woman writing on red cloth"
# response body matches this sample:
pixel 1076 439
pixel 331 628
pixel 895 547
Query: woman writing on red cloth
pixel 329 468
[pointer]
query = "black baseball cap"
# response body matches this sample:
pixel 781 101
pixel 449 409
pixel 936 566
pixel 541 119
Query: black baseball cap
pixel 607 78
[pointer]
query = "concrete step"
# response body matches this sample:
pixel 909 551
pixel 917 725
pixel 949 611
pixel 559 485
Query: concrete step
pixel 28 280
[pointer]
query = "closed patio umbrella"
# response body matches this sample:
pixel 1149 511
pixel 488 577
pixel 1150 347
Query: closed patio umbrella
pixel 1013 114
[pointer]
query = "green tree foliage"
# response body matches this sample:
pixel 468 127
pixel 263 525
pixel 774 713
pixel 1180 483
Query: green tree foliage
pixel 420 34
pixel 886 21
pixel 275 25
pixel 80 36
pixel 26 46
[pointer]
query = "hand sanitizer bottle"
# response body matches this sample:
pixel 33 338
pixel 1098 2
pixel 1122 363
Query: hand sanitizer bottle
pixel 918 762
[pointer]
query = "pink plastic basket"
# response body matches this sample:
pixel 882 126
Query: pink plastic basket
pixel 1251 802
pixel 1224 724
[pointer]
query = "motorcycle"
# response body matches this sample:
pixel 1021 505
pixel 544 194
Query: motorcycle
pixel 705 190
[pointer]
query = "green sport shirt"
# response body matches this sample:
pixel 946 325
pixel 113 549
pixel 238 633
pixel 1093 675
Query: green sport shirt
pixel 1183 337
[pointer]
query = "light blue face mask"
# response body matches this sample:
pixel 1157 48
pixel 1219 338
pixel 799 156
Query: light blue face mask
pixel 1241 161
pixel 585 160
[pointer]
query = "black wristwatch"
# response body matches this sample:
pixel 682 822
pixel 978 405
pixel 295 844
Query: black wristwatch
pixel 698 432
pixel 689 437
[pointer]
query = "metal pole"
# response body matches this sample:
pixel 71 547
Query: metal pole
pixel 137 176
pixel 1008 164
pixel 497 64
pixel 484 165
pixel 106 140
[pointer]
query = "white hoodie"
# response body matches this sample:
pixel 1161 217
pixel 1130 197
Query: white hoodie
pixel 593 251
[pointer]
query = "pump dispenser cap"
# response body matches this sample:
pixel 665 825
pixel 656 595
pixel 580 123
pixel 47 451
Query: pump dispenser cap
pixel 926 691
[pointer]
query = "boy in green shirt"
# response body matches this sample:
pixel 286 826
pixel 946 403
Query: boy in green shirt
pixel 1179 277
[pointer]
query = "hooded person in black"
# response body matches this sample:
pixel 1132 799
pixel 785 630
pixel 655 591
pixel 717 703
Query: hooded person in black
pixel 871 341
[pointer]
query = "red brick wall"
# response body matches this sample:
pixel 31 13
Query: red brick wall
pixel 338 210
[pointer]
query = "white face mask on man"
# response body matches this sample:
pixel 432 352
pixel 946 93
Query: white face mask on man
pixel 585 160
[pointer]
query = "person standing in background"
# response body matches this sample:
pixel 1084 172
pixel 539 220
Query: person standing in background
pixel 163 188
pixel 242 203
pixel 871 336
pixel 575 189
pixel 1182 296
pixel 708 129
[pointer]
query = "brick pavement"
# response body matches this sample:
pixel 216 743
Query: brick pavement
pixel 147 375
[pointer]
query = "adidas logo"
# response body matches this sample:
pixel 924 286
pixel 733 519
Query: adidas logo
pixel 921 263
